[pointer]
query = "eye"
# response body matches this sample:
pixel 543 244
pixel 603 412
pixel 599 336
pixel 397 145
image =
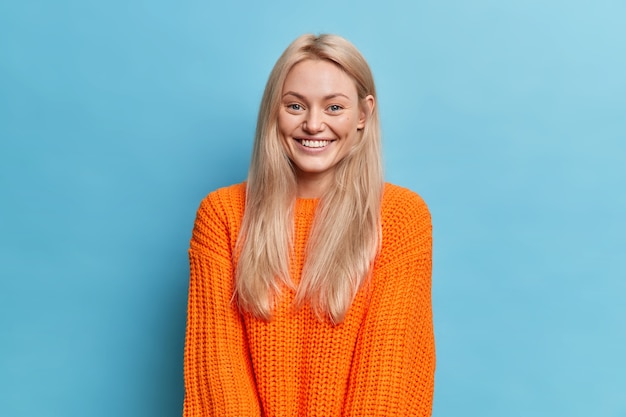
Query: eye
pixel 294 107
pixel 335 108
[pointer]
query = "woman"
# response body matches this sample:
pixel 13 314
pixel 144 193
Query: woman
pixel 310 283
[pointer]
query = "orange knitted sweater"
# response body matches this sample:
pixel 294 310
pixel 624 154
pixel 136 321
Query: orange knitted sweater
pixel 379 362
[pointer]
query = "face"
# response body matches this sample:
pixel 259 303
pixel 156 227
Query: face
pixel 319 121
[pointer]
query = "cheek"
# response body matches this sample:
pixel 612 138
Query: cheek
pixel 283 131
pixel 348 124
pixel 280 122
pixel 286 122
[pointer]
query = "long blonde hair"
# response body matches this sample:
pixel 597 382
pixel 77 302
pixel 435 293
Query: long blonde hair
pixel 345 235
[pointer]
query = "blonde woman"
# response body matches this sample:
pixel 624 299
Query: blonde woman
pixel 310 283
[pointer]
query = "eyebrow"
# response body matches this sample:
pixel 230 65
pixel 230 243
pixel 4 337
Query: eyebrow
pixel 328 97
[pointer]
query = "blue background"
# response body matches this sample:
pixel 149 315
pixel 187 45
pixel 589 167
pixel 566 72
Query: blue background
pixel 117 117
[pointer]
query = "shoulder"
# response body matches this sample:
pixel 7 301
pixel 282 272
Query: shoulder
pixel 225 199
pixel 406 223
pixel 219 216
pixel 401 205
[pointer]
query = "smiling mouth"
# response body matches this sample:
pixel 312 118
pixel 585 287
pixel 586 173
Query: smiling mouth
pixel 314 143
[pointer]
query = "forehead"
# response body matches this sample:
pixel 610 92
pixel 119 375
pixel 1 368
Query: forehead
pixel 319 77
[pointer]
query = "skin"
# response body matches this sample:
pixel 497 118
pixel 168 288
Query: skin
pixel 319 106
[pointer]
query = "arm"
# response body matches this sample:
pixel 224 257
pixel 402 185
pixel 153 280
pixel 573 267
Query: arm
pixel 394 364
pixel 218 375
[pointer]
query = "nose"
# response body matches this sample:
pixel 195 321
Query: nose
pixel 313 122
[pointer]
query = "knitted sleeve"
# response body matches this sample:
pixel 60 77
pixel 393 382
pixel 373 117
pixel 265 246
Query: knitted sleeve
pixel 218 374
pixel 394 364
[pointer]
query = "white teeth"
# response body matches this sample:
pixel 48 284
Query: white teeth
pixel 315 143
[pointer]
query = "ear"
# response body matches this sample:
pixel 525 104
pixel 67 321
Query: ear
pixel 367 107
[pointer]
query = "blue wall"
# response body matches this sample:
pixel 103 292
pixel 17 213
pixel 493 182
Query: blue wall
pixel 117 117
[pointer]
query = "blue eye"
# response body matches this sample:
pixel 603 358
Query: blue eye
pixel 334 108
pixel 294 106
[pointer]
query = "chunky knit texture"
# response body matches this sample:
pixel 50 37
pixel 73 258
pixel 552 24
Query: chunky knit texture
pixel 379 362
